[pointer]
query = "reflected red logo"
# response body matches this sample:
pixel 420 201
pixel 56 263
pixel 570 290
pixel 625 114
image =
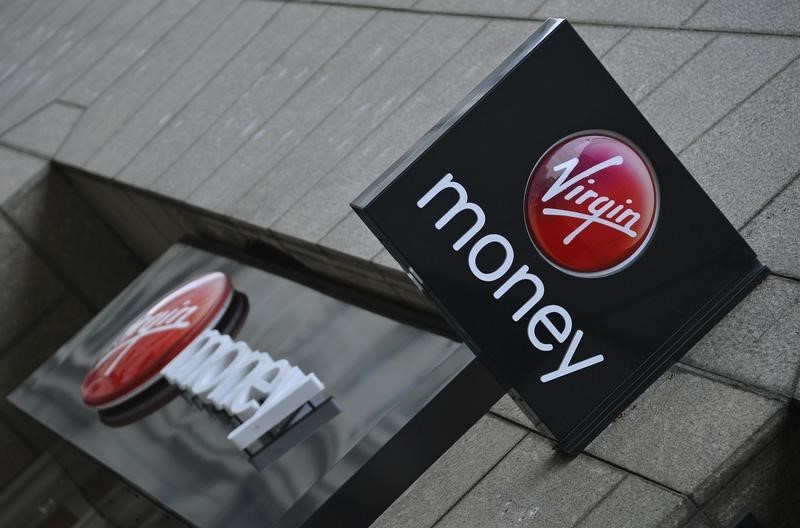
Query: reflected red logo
pixel 591 204
pixel 134 360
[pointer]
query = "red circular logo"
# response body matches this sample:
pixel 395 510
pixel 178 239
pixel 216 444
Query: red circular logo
pixel 134 360
pixel 591 204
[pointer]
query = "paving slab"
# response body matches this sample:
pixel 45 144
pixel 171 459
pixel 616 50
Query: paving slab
pixel 769 486
pixel 637 502
pixel 27 286
pixel 535 486
pixel 27 43
pixel 349 237
pixel 509 410
pixel 689 432
pixel 646 57
pixel 774 234
pixel 309 115
pixel 292 74
pixel 452 475
pixel 753 152
pixel 38 70
pixel 288 24
pixel 713 83
pixel 74 238
pixel 192 77
pixel 15 28
pixel 323 208
pixel 73 63
pixel 127 51
pixel 18 173
pixel 397 79
pixel 758 343
pixel 503 8
pixel 658 13
pixel 57 326
pixel 44 131
pixel 130 92
pixel 13 10
pixel 768 16
pixel 386 260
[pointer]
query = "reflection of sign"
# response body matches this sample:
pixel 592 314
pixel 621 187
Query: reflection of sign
pixel 591 204
pixel 175 345
pixel 134 360
pixel 548 221
pixel 250 385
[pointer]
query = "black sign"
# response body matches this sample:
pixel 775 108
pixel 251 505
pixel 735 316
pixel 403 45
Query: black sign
pixel 560 236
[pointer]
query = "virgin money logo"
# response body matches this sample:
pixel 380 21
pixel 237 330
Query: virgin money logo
pixel 591 204
pixel 135 358
pixel 177 345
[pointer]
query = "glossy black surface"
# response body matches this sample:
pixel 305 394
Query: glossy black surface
pixel 641 319
pixel 382 374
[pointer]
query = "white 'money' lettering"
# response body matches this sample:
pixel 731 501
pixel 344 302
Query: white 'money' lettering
pixel 248 384
pixel 551 320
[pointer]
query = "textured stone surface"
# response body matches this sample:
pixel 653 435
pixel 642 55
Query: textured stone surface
pixel 342 128
pixel 647 57
pixel 686 432
pixel 775 233
pixel 12 12
pixel 39 68
pixel 770 16
pixel 19 50
pixel 369 104
pixel 637 502
pixel 327 203
pixel 223 91
pixel 73 63
pixel 353 120
pixel 244 120
pixel 744 160
pixel 534 486
pixel 512 8
pixel 452 475
pixel 34 348
pixel 18 172
pixel 769 486
pixel 27 286
pixel 45 130
pixel 711 84
pixel 215 52
pixel 127 51
pixel 127 95
pixel 63 227
pixel 758 343
pixel 664 13
pixel 509 410
pixel 350 236
pixel 26 24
